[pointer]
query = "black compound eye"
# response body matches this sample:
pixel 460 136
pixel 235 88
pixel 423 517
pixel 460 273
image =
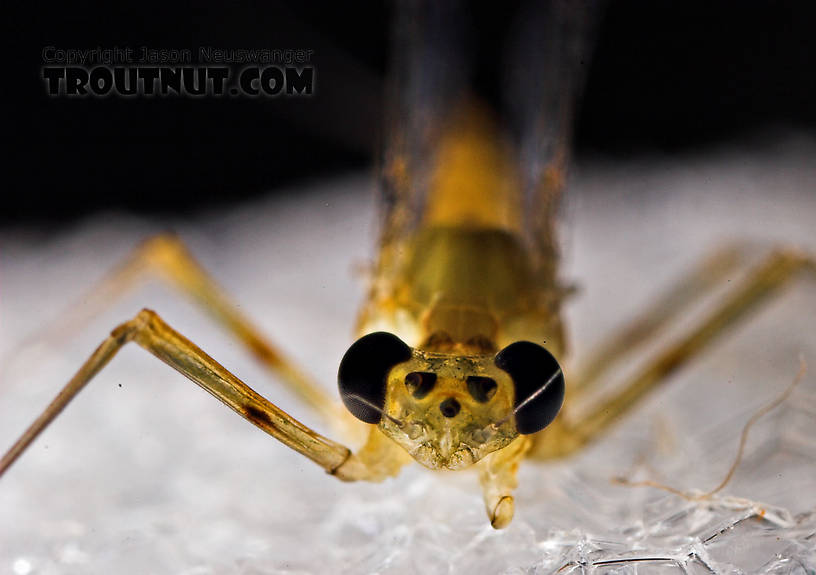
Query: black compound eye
pixel 538 381
pixel 420 383
pixel 363 373
pixel 482 389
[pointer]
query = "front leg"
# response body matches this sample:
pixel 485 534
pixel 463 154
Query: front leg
pixel 497 475
pixel 151 332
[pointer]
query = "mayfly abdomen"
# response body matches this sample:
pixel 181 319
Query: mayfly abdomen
pixel 474 179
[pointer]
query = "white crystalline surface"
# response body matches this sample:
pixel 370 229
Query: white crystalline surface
pixel 146 473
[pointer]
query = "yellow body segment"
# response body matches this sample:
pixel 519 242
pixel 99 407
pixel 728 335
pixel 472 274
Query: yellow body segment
pixel 464 275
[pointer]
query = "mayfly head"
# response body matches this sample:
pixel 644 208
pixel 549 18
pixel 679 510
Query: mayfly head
pixel 449 410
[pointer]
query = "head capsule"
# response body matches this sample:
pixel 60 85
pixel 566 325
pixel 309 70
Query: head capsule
pixel 449 410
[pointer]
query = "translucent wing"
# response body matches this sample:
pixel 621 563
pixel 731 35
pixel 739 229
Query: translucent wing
pixel 450 158
pixel 428 77
pixel 546 67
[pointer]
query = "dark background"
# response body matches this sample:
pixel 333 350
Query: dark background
pixel 667 77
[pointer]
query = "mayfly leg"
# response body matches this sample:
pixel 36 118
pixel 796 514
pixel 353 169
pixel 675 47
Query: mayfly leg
pixel 697 283
pixel 777 270
pixel 166 257
pixel 149 331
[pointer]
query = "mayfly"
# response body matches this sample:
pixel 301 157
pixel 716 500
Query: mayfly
pixel 458 361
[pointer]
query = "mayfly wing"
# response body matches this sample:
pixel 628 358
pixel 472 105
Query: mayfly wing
pixel 462 153
pixel 546 56
pixel 546 67
pixel 428 76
